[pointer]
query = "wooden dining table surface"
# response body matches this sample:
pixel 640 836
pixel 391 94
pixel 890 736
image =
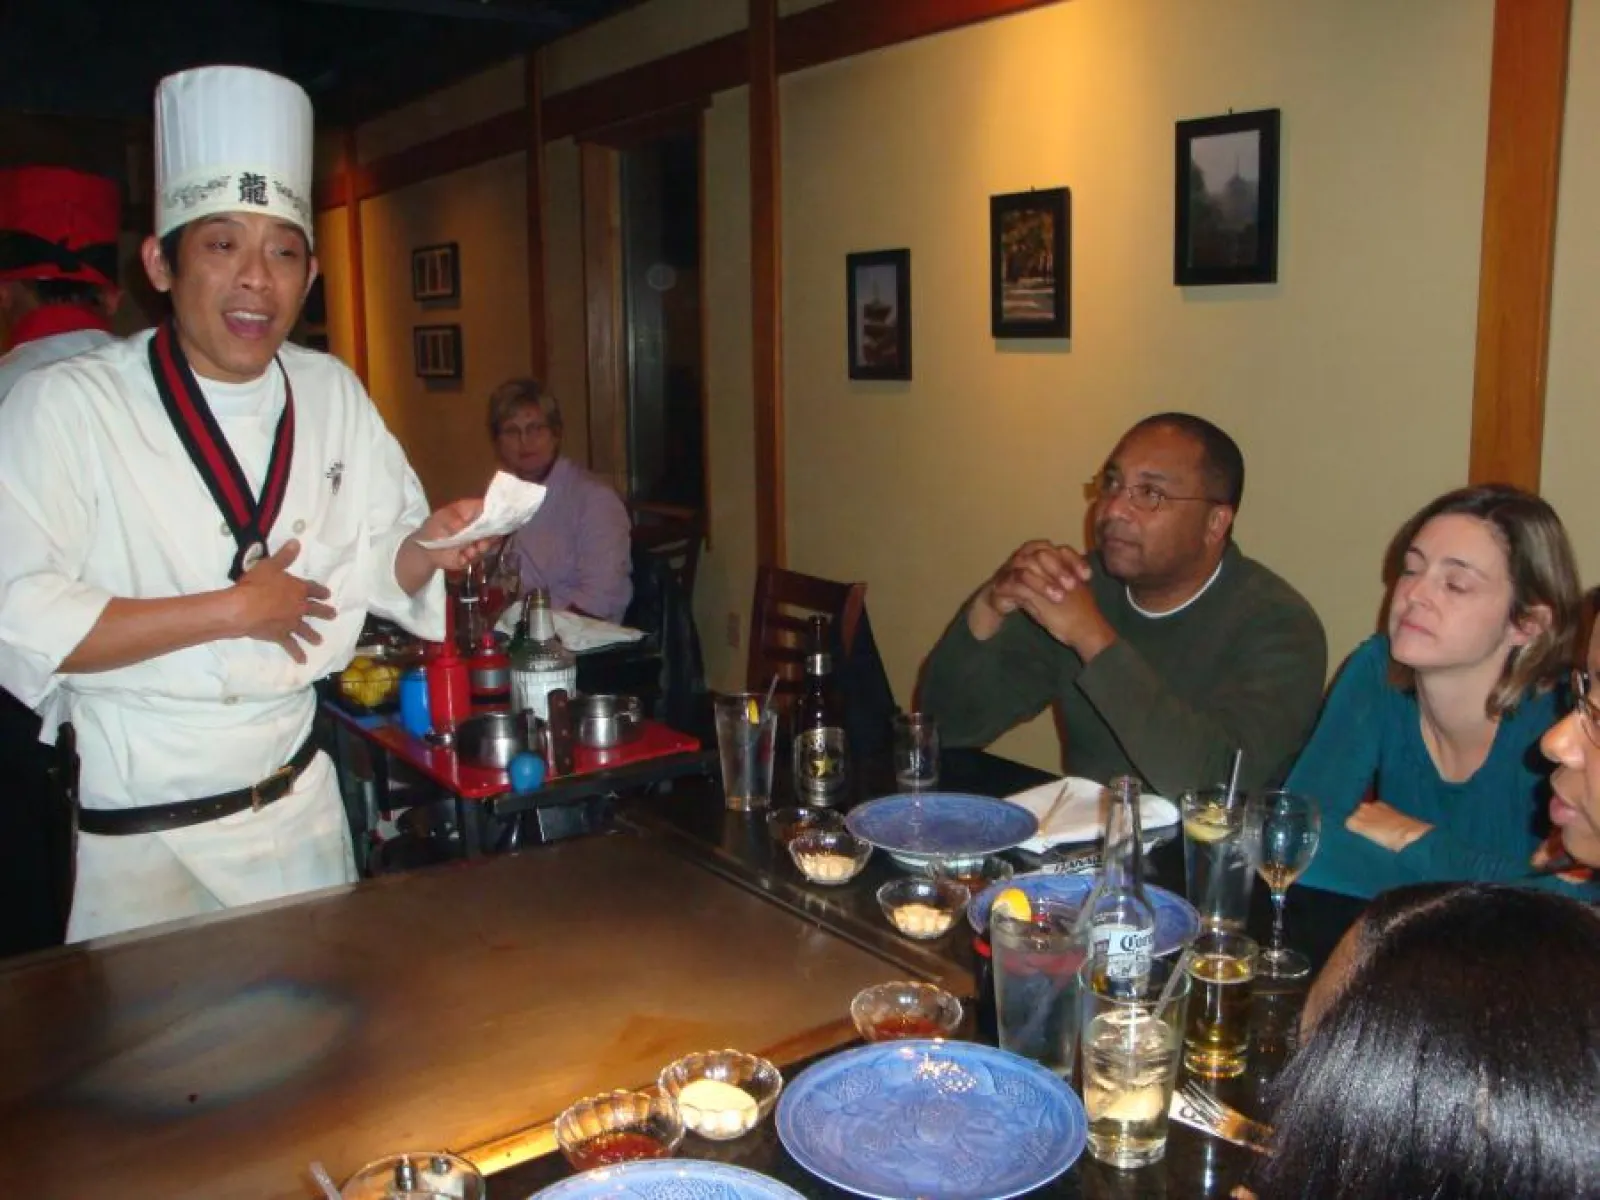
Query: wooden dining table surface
pixel 458 1007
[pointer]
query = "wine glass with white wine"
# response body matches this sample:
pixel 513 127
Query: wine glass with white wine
pixel 1281 831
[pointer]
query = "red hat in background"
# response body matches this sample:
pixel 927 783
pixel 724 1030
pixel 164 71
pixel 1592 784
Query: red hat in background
pixel 57 223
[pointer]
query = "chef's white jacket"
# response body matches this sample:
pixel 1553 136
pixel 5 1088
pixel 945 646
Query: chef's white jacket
pixel 98 499
pixel 41 352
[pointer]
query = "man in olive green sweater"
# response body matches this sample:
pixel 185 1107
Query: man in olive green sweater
pixel 1164 650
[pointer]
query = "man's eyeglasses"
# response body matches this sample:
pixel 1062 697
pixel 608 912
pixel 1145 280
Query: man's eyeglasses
pixel 1588 711
pixel 1144 496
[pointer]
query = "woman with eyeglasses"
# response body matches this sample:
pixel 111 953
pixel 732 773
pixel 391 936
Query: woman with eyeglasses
pixel 1424 758
pixel 1573 744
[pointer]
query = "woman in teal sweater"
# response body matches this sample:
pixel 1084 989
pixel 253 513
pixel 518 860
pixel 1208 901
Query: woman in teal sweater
pixel 1438 721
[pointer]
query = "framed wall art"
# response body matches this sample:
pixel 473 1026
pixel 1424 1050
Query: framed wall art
pixel 878 308
pixel 437 350
pixel 1030 264
pixel 1227 200
pixel 436 272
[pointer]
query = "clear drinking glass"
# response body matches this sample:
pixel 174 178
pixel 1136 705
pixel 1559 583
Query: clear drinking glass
pixel 1218 873
pixel 1281 832
pixel 1130 1062
pixel 1036 965
pixel 747 729
pixel 916 750
pixel 1216 1039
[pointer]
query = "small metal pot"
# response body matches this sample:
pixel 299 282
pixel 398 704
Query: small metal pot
pixel 606 721
pixel 493 739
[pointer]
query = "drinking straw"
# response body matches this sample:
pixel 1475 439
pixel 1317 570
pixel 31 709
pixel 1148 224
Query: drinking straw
pixel 766 705
pixel 320 1174
pixel 1179 970
pixel 1233 775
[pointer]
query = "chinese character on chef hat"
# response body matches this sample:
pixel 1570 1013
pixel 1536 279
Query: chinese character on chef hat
pixel 232 139
pixel 56 223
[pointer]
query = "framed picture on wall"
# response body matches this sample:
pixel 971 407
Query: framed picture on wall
pixel 1030 264
pixel 1227 200
pixel 436 272
pixel 437 349
pixel 878 309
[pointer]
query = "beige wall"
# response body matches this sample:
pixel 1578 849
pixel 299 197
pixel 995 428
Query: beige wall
pixel 333 257
pixel 636 36
pixel 1348 384
pixel 1572 413
pixel 441 424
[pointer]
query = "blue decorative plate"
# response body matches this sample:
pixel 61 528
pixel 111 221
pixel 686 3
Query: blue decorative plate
pixel 1176 920
pixel 931 1120
pixel 942 824
pixel 668 1179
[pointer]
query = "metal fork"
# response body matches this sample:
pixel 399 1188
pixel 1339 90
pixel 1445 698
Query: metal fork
pixel 1199 1109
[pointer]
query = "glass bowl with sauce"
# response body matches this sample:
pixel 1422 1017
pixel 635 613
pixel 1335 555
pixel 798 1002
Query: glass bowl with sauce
pixel 721 1094
pixel 890 1011
pixel 619 1127
pixel 786 824
pixel 974 874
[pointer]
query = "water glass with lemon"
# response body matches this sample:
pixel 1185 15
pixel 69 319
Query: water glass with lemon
pixel 1218 873
pixel 1036 952
pixel 747 731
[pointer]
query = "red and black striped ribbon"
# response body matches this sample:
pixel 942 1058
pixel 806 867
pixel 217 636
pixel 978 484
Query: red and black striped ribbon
pixel 248 519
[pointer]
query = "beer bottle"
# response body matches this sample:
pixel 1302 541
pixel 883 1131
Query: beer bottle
pixel 820 750
pixel 1118 922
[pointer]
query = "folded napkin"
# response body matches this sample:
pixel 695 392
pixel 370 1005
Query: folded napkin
pixel 1082 815
pixel 577 632
pixel 507 505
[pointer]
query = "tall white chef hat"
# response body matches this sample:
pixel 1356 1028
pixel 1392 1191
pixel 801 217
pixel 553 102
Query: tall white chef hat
pixel 232 139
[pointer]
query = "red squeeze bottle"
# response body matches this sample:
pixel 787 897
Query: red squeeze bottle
pixel 449 687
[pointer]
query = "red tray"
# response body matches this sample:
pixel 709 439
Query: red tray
pixel 439 763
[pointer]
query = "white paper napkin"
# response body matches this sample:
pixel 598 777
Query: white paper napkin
pixel 578 633
pixel 507 505
pixel 1082 816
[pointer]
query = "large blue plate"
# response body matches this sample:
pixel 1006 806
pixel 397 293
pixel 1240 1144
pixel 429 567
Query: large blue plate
pixel 1176 920
pixel 942 824
pixel 932 1120
pixel 668 1179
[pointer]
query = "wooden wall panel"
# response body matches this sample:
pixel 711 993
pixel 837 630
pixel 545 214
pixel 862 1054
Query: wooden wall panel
pixel 1527 96
pixel 533 132
pixel 602 289
pixel 766 281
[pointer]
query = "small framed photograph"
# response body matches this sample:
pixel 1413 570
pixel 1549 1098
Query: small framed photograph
pixel 437 349
pixel 436 272
pixel 1030 264
pixel 878 308
pixel 1227 200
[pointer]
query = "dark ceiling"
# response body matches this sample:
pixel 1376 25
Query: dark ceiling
pixel 357 58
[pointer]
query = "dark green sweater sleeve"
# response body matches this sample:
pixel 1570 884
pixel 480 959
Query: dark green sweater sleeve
pixel 978 690
pixel 1263 701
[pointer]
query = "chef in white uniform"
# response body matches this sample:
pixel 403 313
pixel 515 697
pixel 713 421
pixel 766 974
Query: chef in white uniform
pixel 196 521
pixel 58 266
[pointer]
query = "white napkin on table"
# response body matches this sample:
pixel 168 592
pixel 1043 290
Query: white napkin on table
pixel 577 632
pixel 1082 816
pixel 507 505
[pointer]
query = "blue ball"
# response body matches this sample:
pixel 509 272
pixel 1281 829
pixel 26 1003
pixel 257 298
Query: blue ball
pixel 527 772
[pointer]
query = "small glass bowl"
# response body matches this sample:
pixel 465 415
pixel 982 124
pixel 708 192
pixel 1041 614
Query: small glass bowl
pixel 432 1174
pixel 653 1114
pixel 829 857
pixel 923 909
pixel 754 1076
pixel 786 824
pixel 887 1012
pixel 974 874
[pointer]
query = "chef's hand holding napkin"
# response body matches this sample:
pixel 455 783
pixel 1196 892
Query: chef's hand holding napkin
pixel 1081 817
pixel 507 505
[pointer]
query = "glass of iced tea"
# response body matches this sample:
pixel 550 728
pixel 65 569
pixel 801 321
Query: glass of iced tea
pixel 619 1127
pixel 1216 1039
pixel 1129 1057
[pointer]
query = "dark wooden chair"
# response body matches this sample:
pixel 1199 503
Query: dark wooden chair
pixel 672 533
pixel 784 601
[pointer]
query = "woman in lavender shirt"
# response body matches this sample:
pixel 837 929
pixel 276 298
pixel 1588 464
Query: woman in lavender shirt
pixel 577 544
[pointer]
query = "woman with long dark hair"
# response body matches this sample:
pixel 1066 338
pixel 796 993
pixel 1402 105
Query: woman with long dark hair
pixel 1451 1052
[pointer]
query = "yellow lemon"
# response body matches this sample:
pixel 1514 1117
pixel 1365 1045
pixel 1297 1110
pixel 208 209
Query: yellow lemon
pixel 753 711
pixel 1207 826
pixel 1014 903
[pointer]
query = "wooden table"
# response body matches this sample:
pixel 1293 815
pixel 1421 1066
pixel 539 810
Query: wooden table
pixel 459 1007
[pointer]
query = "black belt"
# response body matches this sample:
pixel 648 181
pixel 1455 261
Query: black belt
pixel 155 818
